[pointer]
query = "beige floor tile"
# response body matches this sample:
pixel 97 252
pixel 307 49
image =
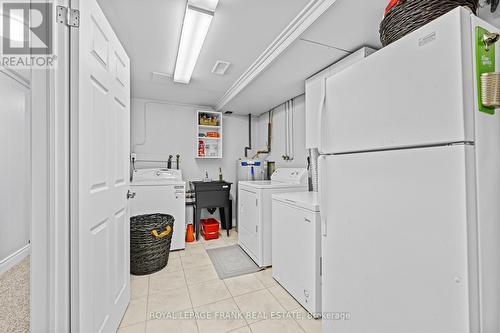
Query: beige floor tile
pixel 136 312
pixel 139 287
pixel 192 249
pixel 174 254
pixel 181 322
pixel 232 241
pixel 200 274
pixel 136 328
pixel 281 326
pixel 306 321
pixel 284 298
pixel 245 329
pixel 195 260
pixel 222 316
pixel 266 277
pixel 166 281
pixel 174 265
pixel 243 284
pixel 168 301
pixel 208 292
pixel 258 305
pixel 214 243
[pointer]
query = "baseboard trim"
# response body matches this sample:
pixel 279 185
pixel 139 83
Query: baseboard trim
pixel 14 259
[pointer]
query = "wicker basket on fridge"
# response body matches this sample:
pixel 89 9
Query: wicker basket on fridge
pixel 150 238
pixel 409 15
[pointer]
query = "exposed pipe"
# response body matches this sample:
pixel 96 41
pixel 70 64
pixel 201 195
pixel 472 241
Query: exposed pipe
pixel 269 136
pixel 249 135
pixel 287 132
pixel 289 143
pixel 291 153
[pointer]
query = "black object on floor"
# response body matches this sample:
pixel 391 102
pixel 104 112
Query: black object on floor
pixel 230 219
pixel 150 238
pixel 212 195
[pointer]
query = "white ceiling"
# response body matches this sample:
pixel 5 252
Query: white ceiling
pixel 344 28
pixel 285 78
pixel 240 31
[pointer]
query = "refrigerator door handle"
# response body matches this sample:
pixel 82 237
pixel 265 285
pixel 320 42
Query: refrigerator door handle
pixel 322 193
pixel 320 115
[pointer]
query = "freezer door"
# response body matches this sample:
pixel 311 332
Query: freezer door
pixel 295 243
pixel 415 92
pixel 395 253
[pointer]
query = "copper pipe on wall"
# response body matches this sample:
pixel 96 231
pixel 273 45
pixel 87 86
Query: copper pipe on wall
pixel 269 136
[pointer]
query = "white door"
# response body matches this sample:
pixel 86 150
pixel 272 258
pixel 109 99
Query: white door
pixel 426 103
pixel 249 221
pixel 100 107
pixel 400 251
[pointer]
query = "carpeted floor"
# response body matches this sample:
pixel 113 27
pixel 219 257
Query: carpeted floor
pixel 15 298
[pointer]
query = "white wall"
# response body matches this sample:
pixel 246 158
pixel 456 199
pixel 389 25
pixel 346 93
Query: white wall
pixel 278 135
pixel 492 18
pixel 14 171
pixel 161 128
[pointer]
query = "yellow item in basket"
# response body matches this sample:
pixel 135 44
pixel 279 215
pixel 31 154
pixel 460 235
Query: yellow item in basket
pixel 163 234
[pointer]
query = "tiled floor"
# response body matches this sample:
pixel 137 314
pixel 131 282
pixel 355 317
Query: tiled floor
pixel 188 297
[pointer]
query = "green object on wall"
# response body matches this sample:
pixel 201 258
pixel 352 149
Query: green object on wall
pixel 485 63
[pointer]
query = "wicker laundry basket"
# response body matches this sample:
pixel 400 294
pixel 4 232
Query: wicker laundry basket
pixel 409 15
pixel 150 238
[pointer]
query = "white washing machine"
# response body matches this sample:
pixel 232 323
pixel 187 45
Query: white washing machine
pixel 161 191
pixel 254 211
pixel 297 247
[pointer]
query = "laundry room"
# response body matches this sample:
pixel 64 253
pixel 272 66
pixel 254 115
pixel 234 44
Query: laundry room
pixel 211 166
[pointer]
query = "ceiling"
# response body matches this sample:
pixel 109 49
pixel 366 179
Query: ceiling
pixel 240 31
pixel 344 28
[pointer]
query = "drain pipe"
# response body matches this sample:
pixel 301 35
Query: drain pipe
pixel 249 135
pixel 269 136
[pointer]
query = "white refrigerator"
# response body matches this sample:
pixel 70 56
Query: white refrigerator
pixel 410 187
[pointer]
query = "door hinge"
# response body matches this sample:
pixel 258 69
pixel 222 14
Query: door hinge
pixel 70 17
pixel 256 228
pixel 256 202
pixel 320 266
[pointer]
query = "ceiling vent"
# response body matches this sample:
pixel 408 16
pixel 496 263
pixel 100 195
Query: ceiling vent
pixel 221 67
pixel 159 77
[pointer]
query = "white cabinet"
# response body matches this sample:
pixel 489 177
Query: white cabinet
pixel 315 94
pixel 208 134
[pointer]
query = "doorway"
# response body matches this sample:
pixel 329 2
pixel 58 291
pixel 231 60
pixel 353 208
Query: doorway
pixel 15 200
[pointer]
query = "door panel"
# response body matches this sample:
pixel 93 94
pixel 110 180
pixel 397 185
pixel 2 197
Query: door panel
pixel 395 254
pixel 249 220
pixel 293 226
pixel 402 105
pixel 101 124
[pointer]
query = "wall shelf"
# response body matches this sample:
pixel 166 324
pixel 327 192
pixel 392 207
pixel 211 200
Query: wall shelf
pixel 208 147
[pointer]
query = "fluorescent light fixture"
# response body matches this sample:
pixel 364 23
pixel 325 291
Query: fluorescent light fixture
pixel 194 31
